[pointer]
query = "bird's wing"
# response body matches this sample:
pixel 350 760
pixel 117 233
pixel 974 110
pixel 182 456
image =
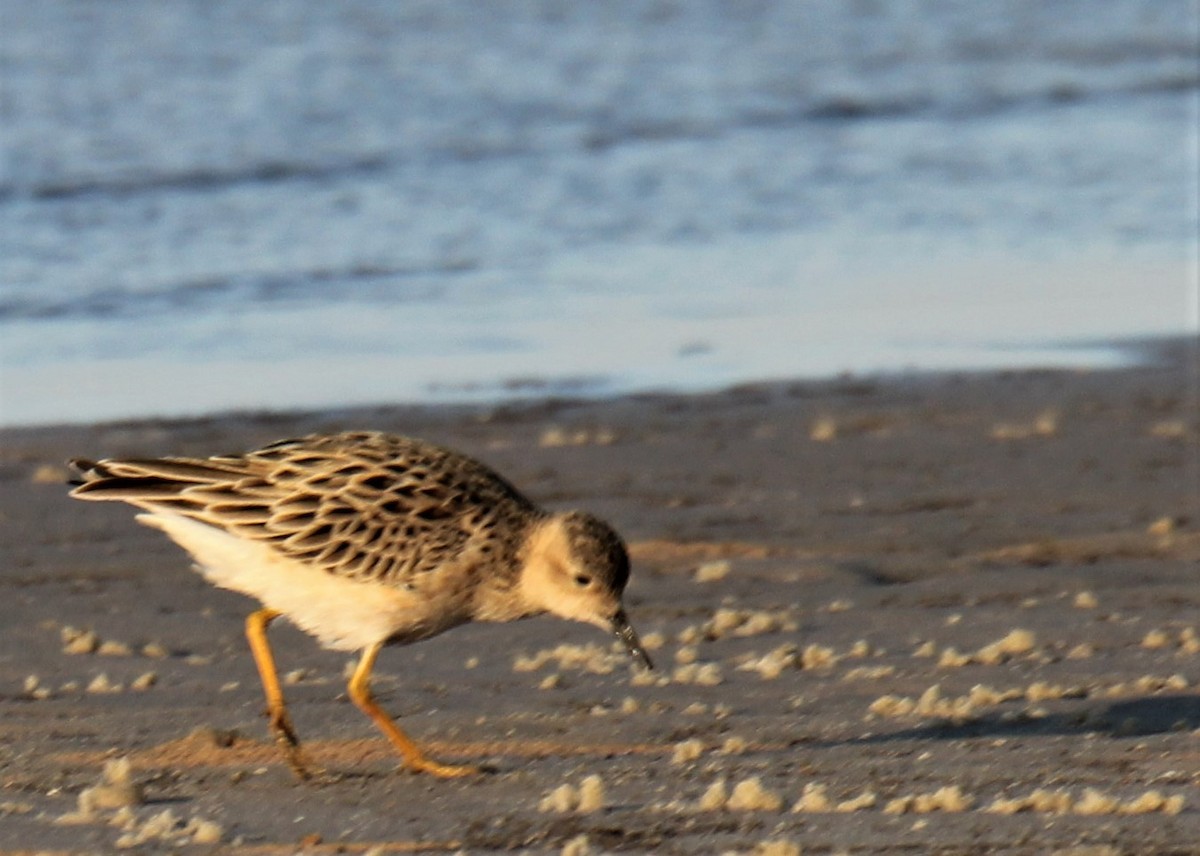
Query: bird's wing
pixel 363 506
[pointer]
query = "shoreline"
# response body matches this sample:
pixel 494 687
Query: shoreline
pixel 979 586
pixel 1124 353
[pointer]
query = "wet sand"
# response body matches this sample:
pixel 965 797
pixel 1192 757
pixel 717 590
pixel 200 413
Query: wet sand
pixel 940 614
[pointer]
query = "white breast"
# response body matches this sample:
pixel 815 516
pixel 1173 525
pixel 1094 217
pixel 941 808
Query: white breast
pixel 344 614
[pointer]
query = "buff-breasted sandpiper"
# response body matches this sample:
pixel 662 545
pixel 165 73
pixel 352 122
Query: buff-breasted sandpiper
pixel 366 540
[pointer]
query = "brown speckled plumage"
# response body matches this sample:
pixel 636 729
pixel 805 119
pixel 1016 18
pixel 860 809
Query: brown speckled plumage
pixel 365 506
pixel 369 539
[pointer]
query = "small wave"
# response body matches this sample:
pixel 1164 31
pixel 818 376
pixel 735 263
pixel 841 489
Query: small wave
pixel 601 130
pixel 528 385
pixel 363 282
pixel 198 179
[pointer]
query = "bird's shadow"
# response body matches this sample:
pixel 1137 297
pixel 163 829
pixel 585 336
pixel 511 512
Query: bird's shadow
pixel 1132 718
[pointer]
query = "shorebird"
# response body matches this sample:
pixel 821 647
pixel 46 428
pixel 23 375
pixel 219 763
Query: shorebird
pixel 366 540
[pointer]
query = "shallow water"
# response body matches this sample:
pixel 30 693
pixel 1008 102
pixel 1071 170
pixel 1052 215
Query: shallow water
pixel 225 205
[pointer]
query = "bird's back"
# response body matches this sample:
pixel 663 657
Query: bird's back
pixel 362 506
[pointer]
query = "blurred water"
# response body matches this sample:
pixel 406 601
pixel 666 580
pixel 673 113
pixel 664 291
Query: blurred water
pixel 206 205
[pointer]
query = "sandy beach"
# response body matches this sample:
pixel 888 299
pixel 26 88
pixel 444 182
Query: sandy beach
pixel 952 613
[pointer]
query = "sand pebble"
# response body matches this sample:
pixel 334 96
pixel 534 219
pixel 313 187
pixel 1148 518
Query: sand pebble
pixel 950 658
pixel 734 745
pixel 701 674
pixel 750 795
pixel 1162 527
pixel 1155 639
pixel 79 641
pixel 562 799
pixel 772 664
pixel 32 687
pixel 101 684
pixel 932 703
pixel 205 832
pixel 1171 682
pixel 591 794
pixel 577 846
pixel 728 621
pixel 711 572
pixel 1096 802
pixel 645 678
pixel 948 799
pixel 49 474
pixel 156 828
pixel 143 681
pixel 813 798
pixel 868 673
pixel 1018 641
pixel 1151 802
pixel 117 789
pixel 709 675
pixel 776 847
pixel 687 751
pixel 866 799
pixel 686 654
pixel 1169 429
pixel 823 429
pixel 1085 600
pixel 653 641
pixel 891 706
pixel 929 701
pixel 714 797
pixel 557 437
pixel 817 657
pixel 588 797
pixel 155 650
pixel 689 635
pixel 925 649
pixel 1045 424
pixel 592 658
pixel 1041 800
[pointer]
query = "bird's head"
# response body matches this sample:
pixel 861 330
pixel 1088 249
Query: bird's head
pixel 575 566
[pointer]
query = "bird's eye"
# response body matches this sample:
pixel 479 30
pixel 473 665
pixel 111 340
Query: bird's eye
pixel 583 580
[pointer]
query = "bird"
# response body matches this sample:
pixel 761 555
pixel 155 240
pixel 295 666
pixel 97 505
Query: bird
pixel 366 540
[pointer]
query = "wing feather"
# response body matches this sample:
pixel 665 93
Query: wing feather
pixel 363 506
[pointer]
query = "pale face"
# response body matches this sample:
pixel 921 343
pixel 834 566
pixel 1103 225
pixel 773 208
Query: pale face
pixel 577 569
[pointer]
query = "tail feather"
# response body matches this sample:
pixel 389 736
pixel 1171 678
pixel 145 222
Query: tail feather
pixel 144 480
pixel 176 469
pixel 83 471
pixel 130 489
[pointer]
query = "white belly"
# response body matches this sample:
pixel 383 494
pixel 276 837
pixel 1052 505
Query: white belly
pixel 344 614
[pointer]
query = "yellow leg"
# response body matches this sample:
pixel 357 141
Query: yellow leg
pixel 281 723
pixel 360 693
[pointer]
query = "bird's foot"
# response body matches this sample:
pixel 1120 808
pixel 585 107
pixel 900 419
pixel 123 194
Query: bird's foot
pixel 289 744
pixel 421 764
